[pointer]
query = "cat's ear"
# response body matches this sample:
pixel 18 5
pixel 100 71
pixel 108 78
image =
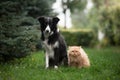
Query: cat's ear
pixel 80 47
pixel 68 52
pixel 69 47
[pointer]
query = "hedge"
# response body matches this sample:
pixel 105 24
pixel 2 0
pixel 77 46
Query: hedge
pixel 80 38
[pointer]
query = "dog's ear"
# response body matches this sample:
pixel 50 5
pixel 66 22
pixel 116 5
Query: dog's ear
pixel 41 19
pixel 55 19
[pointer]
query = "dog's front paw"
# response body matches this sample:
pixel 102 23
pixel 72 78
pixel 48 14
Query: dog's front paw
pixel 56 67
pixel 46 67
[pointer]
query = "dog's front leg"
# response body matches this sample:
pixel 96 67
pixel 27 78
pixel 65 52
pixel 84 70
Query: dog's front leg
pixel 47 60
pixel 56 57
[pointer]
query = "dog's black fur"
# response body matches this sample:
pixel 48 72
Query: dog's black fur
pixel 53 41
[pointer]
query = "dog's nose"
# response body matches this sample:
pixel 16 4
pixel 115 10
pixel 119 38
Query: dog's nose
pixel 47 31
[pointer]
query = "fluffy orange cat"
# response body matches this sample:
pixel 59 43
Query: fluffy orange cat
pixel 77 57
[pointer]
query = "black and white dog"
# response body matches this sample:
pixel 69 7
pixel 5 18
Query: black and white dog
pixel 53 42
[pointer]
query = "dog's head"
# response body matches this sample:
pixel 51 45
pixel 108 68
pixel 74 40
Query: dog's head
pixel 48 25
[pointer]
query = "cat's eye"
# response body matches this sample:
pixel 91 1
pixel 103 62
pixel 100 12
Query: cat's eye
pixel 73 51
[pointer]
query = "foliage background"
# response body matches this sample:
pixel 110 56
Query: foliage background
pixel 20 37
pixel 19 28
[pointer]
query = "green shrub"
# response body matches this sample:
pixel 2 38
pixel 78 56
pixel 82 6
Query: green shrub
pixel 17 37
pixel 80 38
pixel 18 42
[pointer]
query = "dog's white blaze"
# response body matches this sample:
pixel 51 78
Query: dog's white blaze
pixel 56 67
pixel 50 51
pixel 48 28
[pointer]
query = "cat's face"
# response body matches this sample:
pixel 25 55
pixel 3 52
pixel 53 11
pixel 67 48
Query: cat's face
pixel 74 51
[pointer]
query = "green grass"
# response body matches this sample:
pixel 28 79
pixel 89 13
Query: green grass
pixel 105 65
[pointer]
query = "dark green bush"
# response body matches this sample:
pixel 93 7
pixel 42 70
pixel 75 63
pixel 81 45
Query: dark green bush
pixel 17 36
pixel 80 38
pixel 18 43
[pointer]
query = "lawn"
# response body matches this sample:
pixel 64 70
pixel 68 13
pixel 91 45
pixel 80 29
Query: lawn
pixel 105 65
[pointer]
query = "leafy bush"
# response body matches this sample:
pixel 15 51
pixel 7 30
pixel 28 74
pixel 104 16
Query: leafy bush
pixel 80 38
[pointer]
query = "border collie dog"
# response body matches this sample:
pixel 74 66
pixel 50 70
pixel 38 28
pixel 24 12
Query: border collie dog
pixel 53 42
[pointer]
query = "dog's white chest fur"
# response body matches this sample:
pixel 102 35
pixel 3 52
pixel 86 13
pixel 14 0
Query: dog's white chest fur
pixel 49 51
pixel 50 48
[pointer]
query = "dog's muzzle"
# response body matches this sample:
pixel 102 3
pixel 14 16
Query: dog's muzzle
pixel 47 31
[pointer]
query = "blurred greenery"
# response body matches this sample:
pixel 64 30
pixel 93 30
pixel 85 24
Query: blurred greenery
pixel 74 5
pixel 18 33
pixel 104 16
pixel 19 28
pixel 86 38
pixel 108 20
pixel 20 36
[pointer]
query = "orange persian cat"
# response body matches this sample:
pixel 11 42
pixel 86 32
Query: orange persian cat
pixel 77 57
